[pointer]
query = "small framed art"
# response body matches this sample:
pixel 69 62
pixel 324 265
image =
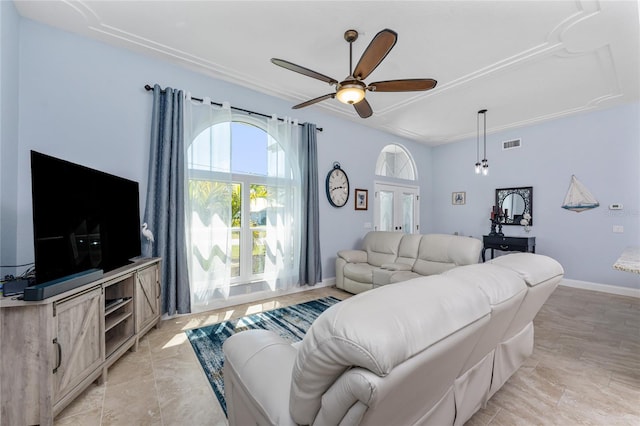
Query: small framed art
pixel 458 198
pixel 362 199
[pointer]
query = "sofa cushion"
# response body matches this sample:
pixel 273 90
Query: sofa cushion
pixel 381 247
pixel 386 273
pixel 353 256
pixel 399 276
pixel 440 252
pixel 534 269
pixel 378 330
pixel 360 272
pixel 396 267
pixel 497 283
pixel 408 249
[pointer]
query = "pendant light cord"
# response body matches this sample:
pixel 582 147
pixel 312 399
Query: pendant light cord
pixel 485 133
pixel 477 138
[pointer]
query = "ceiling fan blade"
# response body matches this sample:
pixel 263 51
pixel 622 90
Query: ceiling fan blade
pixel 314 100
pixel 377 50
pixel 407 85
pixel 302 70
pixel 363 109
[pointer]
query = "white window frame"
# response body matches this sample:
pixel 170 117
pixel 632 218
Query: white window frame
pixel 245 180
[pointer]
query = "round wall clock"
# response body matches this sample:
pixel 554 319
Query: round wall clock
pixel 337 184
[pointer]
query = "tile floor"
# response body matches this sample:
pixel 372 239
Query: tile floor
pixel 585 369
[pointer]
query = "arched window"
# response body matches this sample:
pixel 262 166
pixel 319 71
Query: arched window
pixel 396 162
pixel 242 208
pixel 240 203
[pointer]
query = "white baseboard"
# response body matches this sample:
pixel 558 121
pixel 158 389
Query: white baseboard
pixel 604 288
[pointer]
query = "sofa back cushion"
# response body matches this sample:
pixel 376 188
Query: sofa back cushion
pixel 440 252
pixel 408 250
pixel 381 247
pixel 534 269
pixel 377 331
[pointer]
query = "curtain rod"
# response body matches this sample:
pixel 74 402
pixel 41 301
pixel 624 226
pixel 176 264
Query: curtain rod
pixel 148 88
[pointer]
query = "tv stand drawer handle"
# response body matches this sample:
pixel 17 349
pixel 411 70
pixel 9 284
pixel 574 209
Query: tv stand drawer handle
pixel 55 342
pixel 503 247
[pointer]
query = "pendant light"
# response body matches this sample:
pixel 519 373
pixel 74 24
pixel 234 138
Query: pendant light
pixel 478 167
pixel 485 162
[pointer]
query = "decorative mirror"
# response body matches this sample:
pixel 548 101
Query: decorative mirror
pixel 515 203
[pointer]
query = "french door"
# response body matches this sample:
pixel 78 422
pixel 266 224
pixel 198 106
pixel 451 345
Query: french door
pixel 397 208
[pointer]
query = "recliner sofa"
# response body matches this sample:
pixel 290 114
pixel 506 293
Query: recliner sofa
pixel 391 257
pixel 431 351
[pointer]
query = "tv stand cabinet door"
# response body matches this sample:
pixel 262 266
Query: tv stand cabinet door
pixel 27 361
pixel 147 298
pixel 78 340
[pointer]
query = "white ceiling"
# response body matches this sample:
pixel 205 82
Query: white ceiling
pixel 525 61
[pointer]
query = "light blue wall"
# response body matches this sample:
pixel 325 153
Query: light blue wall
pixel 9 24
pixel 601 148
pixel 84 101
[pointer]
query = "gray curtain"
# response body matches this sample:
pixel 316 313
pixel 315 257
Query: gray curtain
pixel 164 211
pixel 310 258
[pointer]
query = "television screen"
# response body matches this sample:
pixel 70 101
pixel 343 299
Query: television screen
pixel 82 218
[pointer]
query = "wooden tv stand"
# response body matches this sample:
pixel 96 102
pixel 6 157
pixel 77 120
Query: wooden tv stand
pixel 54 348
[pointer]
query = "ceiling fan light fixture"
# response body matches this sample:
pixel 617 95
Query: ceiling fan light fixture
pixel 350 93
pixel 352 89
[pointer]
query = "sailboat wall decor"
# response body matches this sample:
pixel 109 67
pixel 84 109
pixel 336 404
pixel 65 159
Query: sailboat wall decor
pixel 578 198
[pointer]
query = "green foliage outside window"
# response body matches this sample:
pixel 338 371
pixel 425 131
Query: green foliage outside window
pixel 211 198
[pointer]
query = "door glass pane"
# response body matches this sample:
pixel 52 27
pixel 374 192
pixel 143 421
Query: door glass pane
pixel 407 213
pixel 386 210
pixel 397 208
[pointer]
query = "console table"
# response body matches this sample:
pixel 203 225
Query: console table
pixel 500 242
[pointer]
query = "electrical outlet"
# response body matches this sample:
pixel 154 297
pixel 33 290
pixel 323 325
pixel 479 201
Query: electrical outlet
pixel 618 229
pixel 367 225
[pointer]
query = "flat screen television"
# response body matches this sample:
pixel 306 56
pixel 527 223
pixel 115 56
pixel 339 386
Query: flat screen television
pixel 82 218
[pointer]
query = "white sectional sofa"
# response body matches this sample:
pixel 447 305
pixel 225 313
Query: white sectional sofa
pixel 390 257
pixel 430 351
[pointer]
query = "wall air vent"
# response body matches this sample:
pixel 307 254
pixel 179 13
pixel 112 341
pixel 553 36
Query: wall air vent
pixel 512 144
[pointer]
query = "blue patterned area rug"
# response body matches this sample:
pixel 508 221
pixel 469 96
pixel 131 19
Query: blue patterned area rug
pixel 291 322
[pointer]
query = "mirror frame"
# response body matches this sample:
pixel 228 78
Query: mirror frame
pixel 526 192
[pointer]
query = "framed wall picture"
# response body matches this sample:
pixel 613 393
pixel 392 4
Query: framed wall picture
pixel 362 199
pixel 458 198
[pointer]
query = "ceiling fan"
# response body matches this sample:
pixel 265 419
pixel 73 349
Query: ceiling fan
pixel 352 89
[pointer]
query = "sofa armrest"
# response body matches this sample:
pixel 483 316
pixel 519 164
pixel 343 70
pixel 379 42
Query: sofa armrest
pixel 257 378
pixel 353 256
